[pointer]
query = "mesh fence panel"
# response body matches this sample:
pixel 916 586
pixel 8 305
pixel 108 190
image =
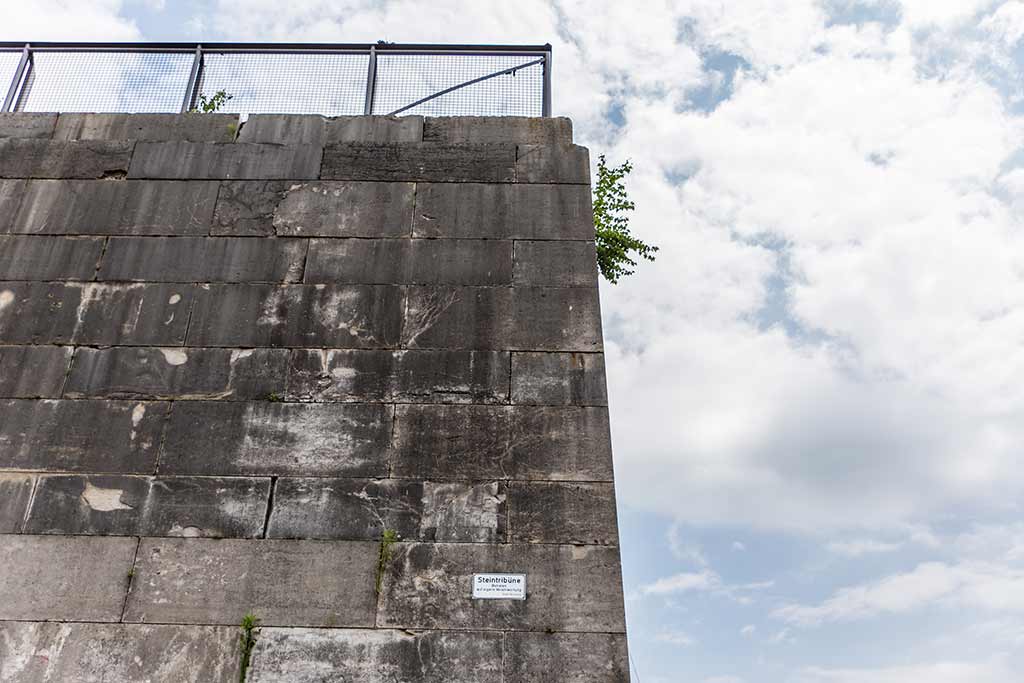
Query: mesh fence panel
pixel 328 84
pixel 105 81
pixel 8 65
pixel 404 79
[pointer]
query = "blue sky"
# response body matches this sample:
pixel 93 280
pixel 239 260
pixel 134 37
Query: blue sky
pixel 816 398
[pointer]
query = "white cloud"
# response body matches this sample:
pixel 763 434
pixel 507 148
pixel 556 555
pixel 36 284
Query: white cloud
pixel 862 546
pixel 67 20
pixel 723 679
pixel 995 671
pixel 675 638
pixel 748 630
pixel 683 582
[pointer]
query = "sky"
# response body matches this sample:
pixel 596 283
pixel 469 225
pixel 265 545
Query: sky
pixel 817 390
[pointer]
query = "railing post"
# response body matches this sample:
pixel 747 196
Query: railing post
pixel 371 82
pixel 19 76
pixel 546 105
pixel 193 82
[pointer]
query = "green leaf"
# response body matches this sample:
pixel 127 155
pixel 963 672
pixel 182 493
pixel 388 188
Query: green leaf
pixel 615 243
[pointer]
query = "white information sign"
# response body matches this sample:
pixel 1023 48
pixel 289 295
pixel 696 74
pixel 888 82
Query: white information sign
pixel 499 586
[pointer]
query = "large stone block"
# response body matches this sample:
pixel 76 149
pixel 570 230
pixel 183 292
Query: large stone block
pixel 562 512
pixel 555 264
pixel 534 212
pixel 464 512
pixel 176 373
pixel 202 259
pixel 284 129
pixel 64 578
pixel 570 588
pixel 80 436
pixel 33 371
pixel 376 656
pixel 420 162
pixel 351 440
pixel 24 257
pixel 400 376
pixel 33 158
pixel 25 125
pixel 234 160
pixel 122 505
pixel 374 129
pixel 15 494
pixel 526 318
pixel 148 127
pixel 559 379
pixel 566 658
pixel 553 164
pixel 127 207
pixel 11 194
pixel 561 443
pixel 291 583
pixel 401 261
pixel 460 130
pixel 452 442
pixel 338 316
pixel 90 313
pixel 34 652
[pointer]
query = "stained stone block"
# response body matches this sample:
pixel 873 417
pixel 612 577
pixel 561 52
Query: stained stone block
pixel 34 652
pixel 25 125
pixel 33 371
pixel 338 316
pixel 400 376
pixel 304 655
pixel 461 130
pixel 464 512
pixel 473 210
pixel 284 129
pixel 561 444
pixel 345 209
pixel 126 207
pixel 452 442
pixel 148 127
pixel 352 509
pixel 77 578
pixel 559 379
pixel 241 160
pixel 80 436
pixel 15 494
pixel 420 162
pixel 24 257
pixel 351 440
pixel 555 264
pixel 45 313
pixel 562 512
pixel 202 259
pixel 293 583
pixel 32 158
pixel 246 208
pixel 11 193
pixel 553 164
pixel 149 506
pixel 183 374
pixel 391 261
pixel 570 588
pixel 374 129
pixel 528 318
pixel 566 658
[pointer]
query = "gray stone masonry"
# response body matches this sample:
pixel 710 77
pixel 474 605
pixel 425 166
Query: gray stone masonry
pixel 235 355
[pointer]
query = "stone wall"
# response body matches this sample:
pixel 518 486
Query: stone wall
pixel 232 356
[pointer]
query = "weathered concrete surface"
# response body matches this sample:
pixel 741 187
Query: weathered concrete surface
pixel 149 506
pixel 295 583
pixel 235 160
pixel 400 376
pixel 420 162
pixel 531 212
pixel 33 158
pixel 562 512
pixel 551 164
pixel 64 578
pixel 269 438
pixel 148 127
pixel 202 259
pixel 559 379
pixel 11 193
pixel 126 207
pixel 566 658
pixel 318 130
pixel 305 655
pixel 23 125
pixel 80 436
pixel 336 316
pixel 452 442
pixel 570 588
pixel 561 444
pixel 176 373
pixel 352 509
pixel 497 129
pixel 555 264
pixel 33 371
pixel 464 512
pixel 33 652
pixel 15 494
pixel 398 261
pixel 24 257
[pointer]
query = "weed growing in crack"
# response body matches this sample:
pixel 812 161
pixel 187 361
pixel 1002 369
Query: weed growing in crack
pixel 387 539
pixel 246 642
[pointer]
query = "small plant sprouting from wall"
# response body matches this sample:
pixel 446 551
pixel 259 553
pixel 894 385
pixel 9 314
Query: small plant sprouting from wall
pixel 611 224
pixel 211 104
pixel 250 627
pixel 387 539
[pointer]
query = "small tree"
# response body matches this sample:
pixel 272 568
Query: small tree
pixel 611 224
pixel 212 104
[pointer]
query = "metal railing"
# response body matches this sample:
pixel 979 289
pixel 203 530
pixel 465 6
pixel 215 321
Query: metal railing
pixel 328 79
